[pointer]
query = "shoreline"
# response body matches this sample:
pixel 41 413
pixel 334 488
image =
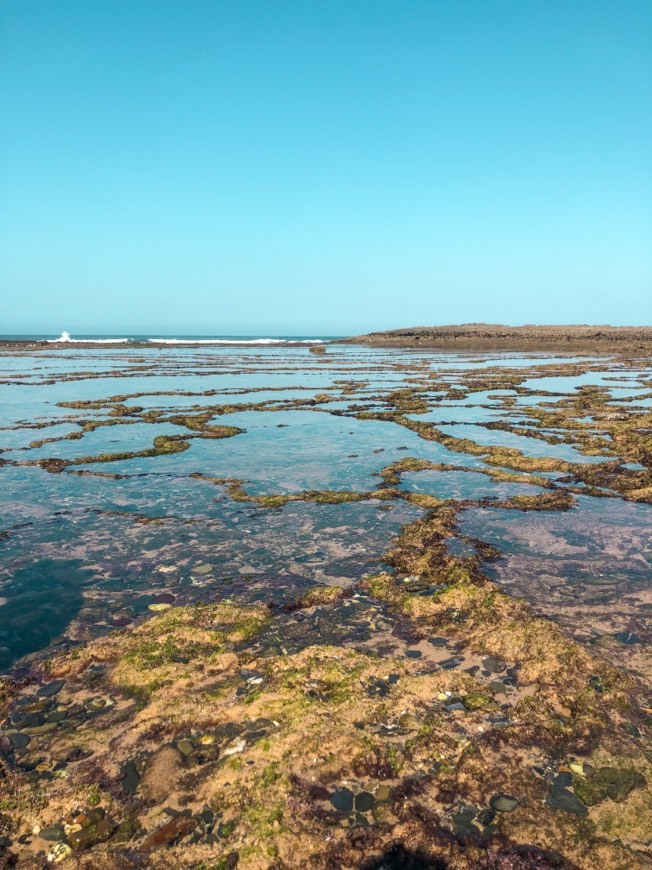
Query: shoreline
pixel 464 338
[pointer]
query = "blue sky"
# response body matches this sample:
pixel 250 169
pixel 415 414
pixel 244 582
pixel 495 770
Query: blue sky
pixel 323 166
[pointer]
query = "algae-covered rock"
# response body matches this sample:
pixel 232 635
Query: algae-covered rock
pixel 479 701
pixel 607 782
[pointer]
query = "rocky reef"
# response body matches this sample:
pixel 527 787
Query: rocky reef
pixel 431 711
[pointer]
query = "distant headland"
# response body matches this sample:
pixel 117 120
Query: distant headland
pixel 489 337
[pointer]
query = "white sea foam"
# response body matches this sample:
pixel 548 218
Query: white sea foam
pixel 65 338
pixel 235 341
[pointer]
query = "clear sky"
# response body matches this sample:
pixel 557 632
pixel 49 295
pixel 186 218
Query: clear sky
pixel 323 166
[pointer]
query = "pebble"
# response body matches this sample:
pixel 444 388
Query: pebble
pixel 19 740
pixel 342 800
pixel 497 687
pixel 51 689
pixel 176 828
pixel 55 833
pixel 383 793
pixel 185 747
pixel 627 637
pixel 559 798
pixel 448 664
pixel 503 803
pixel 131 778
pixel 364 801
pixel 59 852
pixel 494 665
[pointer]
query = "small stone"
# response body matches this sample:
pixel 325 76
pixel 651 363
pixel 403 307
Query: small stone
pixel 158 607
pixel 96 704
pixel 627 637
pixel 364 802
pixel 59 852
pixel 383 793
pixel 563 779
pixel 173 830
pixel 342 800
pixel 53 834
pixel 449 664
pixel 96 832
pixel 462 821
pixel 413 653
pixel 503 803
pixel 559 798
pixel 130 778
pixel 456 706
pixel 486 817
pixel 494 665
pixel 478 701
pixel 185 747
pixel 51 689
pixel 19 740
pixel 207 815
pixel 497 687
pixel 202 569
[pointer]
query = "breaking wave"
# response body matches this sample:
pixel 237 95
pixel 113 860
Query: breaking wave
pixel 65 338
pixel 236 340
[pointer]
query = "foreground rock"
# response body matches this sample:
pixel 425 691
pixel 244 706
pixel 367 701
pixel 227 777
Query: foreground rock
pixel 186 744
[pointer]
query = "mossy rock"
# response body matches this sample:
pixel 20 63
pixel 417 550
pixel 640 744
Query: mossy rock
pixel 607 782
pixel 479 701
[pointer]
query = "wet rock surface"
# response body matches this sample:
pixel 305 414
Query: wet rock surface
pixel 318 666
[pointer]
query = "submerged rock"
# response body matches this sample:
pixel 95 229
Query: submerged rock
pixel 560 798
pixel 364 801
pixel 503 803
pixel 169 832
pixel 607 782
pixel 19 740
pixel 51 689
pixel 342 799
